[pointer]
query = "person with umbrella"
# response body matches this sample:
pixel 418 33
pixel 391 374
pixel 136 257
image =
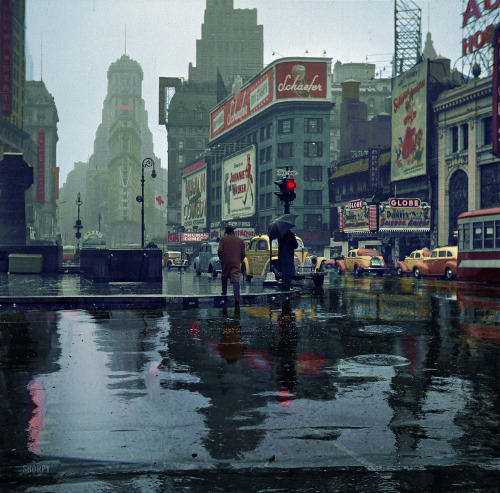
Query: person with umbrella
pixel 287 243
pixel 231 252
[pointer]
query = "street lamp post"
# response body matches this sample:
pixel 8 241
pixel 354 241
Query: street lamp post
pixel 78 226
pixel 146 163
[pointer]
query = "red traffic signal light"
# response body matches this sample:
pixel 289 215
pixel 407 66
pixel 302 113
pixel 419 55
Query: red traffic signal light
pixel 287 189
pixel 289 184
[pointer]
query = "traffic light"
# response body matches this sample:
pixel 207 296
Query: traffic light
pixel 287 189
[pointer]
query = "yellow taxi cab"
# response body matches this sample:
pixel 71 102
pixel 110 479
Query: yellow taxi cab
pixel 362 260
pixel 441 263
pixel 262 257
pixel 406 265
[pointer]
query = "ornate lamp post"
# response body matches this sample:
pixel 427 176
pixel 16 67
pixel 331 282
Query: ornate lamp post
pixel 147 162
pixel 78 226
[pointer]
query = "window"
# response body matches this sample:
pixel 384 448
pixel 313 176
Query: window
pixel 285 150
pixel 497 234
pixel 464 237
pixel 312 221
pixel 285 126
pixel 265 132
pixel 269 177
pixel 488 234
pixel 487 131
pixel 465 136
pixel 262 178
pixel 313 125
pixel 181 144
pixel 313 197
pixel 477 238
pixel 265 154
pixel 313 173
pixel 262 245
pixel 313 149
pixel 454 139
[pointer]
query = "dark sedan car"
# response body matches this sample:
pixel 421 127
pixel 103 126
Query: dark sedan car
pixel 208 260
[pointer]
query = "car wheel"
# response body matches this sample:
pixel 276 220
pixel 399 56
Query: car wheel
pixel 416 273
pixel 168 267
pixel 198 272
pixel 322 268
pixel 214 273
pixel 399 271
pixel 356 270
pixel 185 268
pixel 318 281
pixel 448 274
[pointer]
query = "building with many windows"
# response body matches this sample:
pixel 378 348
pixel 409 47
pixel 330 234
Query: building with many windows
pixel 230 50
pixel 278 121
pixel 469 174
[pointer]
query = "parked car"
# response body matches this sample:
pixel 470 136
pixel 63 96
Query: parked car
pixel 208 260
pixel 406 265
pixel 361 261
pixel 174 260
pixel 441 263
pixel 261 259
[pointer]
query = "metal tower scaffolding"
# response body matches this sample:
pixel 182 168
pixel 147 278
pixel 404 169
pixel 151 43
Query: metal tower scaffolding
pixel 407 36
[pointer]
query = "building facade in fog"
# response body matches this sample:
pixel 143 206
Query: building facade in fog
pixel 12 75
pixel 41 124
pixel 113 176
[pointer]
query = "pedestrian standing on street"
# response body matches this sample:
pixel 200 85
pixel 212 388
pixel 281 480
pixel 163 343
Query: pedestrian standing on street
pixel 286 246
pixel 231 253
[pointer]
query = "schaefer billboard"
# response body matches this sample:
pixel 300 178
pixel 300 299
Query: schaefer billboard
pixel 409 123
pixel 194 195
pixel 301 79
pixel 238 187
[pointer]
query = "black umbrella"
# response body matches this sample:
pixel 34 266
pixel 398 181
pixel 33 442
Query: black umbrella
pixel 281 225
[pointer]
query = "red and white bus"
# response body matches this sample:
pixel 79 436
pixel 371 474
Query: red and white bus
pixel 479 245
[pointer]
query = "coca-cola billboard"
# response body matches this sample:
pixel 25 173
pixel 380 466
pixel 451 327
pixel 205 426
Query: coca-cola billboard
pixel 247 102
pixel 301 79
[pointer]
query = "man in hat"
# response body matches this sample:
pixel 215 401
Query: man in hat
pixel 231 253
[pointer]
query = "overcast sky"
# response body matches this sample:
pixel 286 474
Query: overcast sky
pixel 72 43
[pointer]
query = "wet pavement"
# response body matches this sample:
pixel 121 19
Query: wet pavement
pixel 369 384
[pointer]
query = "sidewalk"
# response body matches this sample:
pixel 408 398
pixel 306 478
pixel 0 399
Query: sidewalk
pixel 25 291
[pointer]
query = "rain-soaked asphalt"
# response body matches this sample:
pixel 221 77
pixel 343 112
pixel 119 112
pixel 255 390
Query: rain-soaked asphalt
pixel 370 384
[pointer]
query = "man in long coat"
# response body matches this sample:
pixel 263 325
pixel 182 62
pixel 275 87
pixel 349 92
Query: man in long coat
pixel 231 253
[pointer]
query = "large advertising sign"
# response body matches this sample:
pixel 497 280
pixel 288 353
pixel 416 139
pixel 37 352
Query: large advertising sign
pixel 290 79
pixel 356 220
pixel 409 123
pixel 301 80
pixel 238 187
pixel 194 195
pixel 246 103
pixel 405 218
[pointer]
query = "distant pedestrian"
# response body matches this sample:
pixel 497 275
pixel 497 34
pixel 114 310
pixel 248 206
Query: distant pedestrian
pixel 231 253
pixel 286 247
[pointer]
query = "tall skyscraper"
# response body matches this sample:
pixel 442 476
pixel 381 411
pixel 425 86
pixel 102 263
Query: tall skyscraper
pixel 231 47
pixel 113 178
